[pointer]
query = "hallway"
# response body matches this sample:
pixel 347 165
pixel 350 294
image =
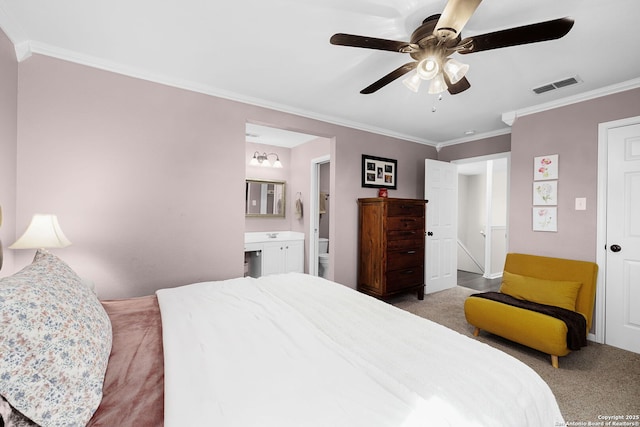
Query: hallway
pixel 477 282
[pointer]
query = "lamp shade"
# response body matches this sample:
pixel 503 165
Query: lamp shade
pixel 413 82
pixel 43 232
pixel 455 70
pixel 438 85
pixel 428 68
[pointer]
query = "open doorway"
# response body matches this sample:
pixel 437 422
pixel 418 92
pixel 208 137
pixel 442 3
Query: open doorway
pixel 482 215
pixel 295 149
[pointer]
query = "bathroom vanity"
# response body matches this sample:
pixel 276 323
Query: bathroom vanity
pixel 273 252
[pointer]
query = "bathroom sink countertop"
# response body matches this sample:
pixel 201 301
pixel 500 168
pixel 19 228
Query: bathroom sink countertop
pixel 272 236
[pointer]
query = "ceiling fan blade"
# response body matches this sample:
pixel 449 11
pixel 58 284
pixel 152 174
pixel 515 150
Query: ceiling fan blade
pixel 454 89
pixel 542 31
pixel 368 42
pixel 397 73
pixel 454 17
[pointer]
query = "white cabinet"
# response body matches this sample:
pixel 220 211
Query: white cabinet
pixel 295 256
pixel 273 253
pixel 283 257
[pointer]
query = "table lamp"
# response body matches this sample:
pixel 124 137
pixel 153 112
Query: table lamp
pixel 43 232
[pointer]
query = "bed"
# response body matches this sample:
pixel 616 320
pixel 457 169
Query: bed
pixel 282 350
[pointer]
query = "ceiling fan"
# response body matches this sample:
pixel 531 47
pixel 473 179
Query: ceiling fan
pixel 440 36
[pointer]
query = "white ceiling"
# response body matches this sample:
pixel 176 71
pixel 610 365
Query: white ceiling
pixel 260 134
pixel 276 53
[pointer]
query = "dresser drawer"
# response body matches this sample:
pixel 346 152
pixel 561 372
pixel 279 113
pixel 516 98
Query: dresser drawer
pixel 409 234
pixel 398 260
pixel 416 241
pixel 399 279
pixel 405 209
pixel 405 223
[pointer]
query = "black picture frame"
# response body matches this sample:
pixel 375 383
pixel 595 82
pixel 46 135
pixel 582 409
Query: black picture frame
pixel 378 172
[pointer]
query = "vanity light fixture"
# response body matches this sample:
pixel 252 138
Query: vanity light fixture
pixel 263 160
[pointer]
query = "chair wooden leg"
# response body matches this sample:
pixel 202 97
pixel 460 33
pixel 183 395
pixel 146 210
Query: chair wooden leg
pixel 554 361
pixel 476 332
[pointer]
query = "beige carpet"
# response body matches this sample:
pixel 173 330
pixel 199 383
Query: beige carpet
pixel 599 380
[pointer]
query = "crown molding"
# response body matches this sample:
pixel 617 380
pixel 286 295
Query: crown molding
pixel 15 33
pixel 24 49
pixel 511 116
pixel 114 67
pixel 475 137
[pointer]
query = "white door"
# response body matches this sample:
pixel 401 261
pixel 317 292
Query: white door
pixel 441 258
pixel 622 312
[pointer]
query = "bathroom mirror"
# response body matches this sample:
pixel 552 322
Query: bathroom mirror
pixel 264 198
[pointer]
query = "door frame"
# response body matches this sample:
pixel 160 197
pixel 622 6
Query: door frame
pixel 601 221
pixel 488 197
pixel 314 216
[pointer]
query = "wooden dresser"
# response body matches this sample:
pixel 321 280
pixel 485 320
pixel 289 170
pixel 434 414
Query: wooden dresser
pixel 391 246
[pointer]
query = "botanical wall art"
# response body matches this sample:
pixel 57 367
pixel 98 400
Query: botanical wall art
pixel 545 167
pixel 545 219
pixel 378 172
pixel 545 193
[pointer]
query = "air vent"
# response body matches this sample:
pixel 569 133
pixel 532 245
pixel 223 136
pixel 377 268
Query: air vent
pixel 543 89
pixel 557 85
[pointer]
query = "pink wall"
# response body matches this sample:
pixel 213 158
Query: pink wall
pixel 8 146
pixel 347 164
pixel 148 180
pixel 572 133
pixel 138 173
pixel 133 170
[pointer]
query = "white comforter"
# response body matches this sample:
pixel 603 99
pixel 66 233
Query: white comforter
pixel 296 350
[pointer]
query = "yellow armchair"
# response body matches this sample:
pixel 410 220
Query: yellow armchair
pixel 539 331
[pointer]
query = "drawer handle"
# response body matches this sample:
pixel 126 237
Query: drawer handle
pixel 408 272
pixel 411 252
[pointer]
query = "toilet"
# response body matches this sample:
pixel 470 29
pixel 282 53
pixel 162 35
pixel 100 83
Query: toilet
pixel 323 256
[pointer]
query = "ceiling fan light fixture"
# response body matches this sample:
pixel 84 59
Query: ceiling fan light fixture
pixel 413 82
pixel 428 68
pixel 438 85
pixel 455 70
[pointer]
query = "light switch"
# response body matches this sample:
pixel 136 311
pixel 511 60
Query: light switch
pixel 581 203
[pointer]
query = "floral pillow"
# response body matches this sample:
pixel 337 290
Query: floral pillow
pixel 55 343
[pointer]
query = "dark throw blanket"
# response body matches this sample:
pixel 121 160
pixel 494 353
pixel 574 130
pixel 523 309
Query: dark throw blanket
pixel 576 323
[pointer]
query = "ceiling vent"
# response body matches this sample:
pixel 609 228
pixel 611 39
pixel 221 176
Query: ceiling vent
pixel 557 85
